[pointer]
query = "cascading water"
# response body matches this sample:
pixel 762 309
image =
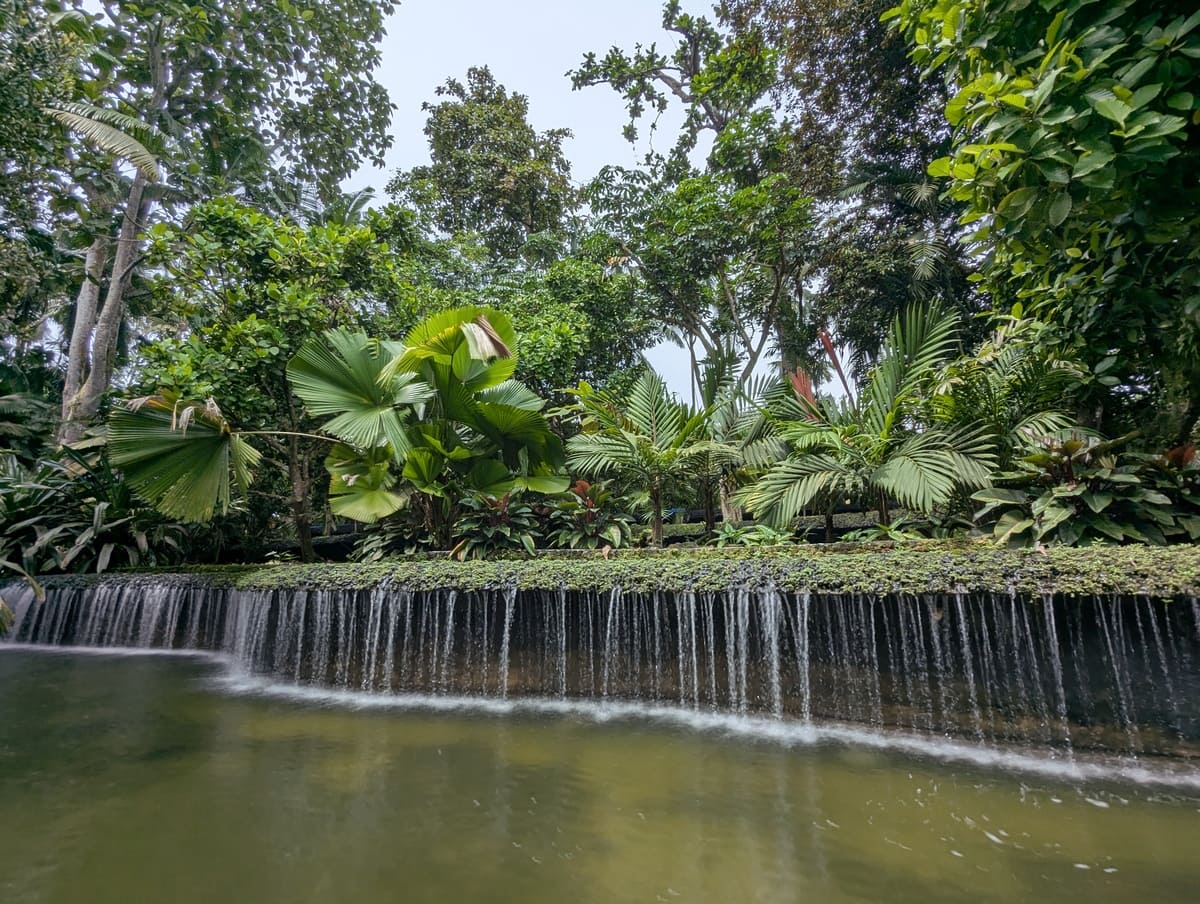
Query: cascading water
pixel 1116 674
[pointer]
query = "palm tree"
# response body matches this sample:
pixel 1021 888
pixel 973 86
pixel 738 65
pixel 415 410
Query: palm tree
pixel 868 448
pixel 649 439
pixel 1014 387
pixel 432 418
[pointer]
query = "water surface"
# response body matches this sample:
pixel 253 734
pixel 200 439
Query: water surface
pixel 144 778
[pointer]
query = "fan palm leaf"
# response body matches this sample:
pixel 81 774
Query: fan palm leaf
pixel 180 456
pixel 338 375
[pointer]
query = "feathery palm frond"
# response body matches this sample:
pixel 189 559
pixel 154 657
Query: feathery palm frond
pixel 870 448
pixel 112 132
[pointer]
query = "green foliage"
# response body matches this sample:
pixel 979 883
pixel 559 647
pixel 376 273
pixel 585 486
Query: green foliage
pixel 179 455
pixel 489 525
pixel 648 439
pixel 719 78
pixel 588 517
pixel 1074 151
pixel 1079 490
pixel 871 448
pixel 38 68
pixel 401 534
pixel 726 262
pixel 475 430
pixel 302 93
pixel 1013 386
pixel 248 290
pixel 899 530
pixel 78 515
pixel 491 172
pixel 576 319
pixel 750 535
pixel 914 568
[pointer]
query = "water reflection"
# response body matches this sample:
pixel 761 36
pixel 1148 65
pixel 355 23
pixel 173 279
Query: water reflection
pixel 133 779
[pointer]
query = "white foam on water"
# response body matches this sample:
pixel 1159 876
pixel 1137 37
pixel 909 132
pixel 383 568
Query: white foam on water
pixel 785 732
pixel 1079 768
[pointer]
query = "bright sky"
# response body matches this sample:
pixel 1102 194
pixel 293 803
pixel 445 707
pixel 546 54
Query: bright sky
pixel 529 46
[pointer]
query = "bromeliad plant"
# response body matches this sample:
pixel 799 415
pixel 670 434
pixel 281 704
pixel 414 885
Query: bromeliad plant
pixel 424 423
pixel 871 448
pixel 1079 490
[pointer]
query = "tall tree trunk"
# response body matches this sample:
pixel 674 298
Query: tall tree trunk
pixel 86 308
pixel 85 405
pixel 656 526
pixel 298 474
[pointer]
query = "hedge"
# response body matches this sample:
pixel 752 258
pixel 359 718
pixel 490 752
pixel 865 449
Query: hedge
pixel 877 568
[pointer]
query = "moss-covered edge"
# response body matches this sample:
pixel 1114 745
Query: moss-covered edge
pixel 867 568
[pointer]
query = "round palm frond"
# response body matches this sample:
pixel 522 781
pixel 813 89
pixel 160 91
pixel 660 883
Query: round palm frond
pixel 180 456
pixel 340 375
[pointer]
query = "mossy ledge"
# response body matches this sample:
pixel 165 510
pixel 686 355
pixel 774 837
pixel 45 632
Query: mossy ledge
pixel 856 568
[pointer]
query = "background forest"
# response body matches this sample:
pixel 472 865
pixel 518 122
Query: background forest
pixel 934 270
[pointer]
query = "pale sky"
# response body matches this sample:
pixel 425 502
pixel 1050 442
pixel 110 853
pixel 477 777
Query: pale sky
pixel 529 46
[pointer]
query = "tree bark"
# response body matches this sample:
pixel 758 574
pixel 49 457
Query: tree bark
pixel 730 512
pixel 301 492
pixel 84 405
pixel 656 526
pixel 86 308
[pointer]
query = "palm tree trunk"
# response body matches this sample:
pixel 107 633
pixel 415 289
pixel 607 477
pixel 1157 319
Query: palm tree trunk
pixel 710 508
pixel 730 512
pixel 885 516
pixel 656 526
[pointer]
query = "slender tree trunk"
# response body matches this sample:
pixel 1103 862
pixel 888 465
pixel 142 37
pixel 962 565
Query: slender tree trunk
pixel 829 527
pixel 85 406
pixel 885 516
pixel 301 492
pixel 656 526
pixel 730 512
pixel 86 308
pixel 710 510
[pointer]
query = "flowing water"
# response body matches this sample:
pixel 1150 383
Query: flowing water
pixel 131 778
pixel 1117 675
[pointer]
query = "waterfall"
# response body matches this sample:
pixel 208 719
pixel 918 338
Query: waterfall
pixel 1118 674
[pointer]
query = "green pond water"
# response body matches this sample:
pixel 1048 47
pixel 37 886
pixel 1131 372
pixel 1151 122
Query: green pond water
pixel 145 779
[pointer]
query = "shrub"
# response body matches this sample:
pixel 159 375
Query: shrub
pixel 494 525
pixel 588 517
pixel 1079 490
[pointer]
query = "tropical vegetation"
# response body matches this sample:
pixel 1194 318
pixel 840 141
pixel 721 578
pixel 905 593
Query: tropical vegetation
pixel 930 269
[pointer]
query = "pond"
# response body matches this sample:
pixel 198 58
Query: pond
pixel 150 777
